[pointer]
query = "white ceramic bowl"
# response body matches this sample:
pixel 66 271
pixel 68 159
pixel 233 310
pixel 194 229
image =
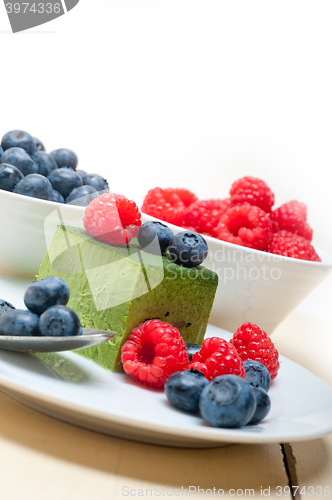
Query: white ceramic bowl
pixel 253 286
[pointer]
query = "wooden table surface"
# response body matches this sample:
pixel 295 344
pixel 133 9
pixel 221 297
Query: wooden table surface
pixel 42 458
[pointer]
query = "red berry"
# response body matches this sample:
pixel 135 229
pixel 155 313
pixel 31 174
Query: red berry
pixel 168 204
pixel 186 196
pixel 292 245
pixel 245 225
pixel 291 217
pixel 253 343
pixel 203 216
pixel 253 191
pixel 217 357
pixel 153 351
pixel 112 218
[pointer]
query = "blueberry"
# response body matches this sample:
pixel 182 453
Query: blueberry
pixel 18 139
pixel 5 306
pixel 257 374
pixel 58 321
pixel 81 173
pixel 19 322
pixel 227 401
pixel 9 177
pixel 192 349
pixel 50 291
pixel 57 197
pixel 65 158
pixel 20 159
pixel 183 389
pixel 263 405
pixel 82 196
pixel 45 162
pixel 188 249
pixel 149 230
pixel 95 181
pixel 1 151
pixel 39 146
pixel 64 180
pixel 35 186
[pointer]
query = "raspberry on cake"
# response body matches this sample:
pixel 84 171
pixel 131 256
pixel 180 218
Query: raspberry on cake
pixel 254 191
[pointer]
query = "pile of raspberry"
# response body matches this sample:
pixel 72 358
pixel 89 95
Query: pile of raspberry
pixel 244 218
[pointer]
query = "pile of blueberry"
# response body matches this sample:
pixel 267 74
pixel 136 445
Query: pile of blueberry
pixel 187 248
pixel 46 314
pixel 26 169
pixel 226 401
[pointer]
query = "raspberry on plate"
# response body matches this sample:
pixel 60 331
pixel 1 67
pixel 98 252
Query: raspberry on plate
pixel 245 225
pixel 154 350
pixel 203 216
pixel 253 191
pixel 112 218
pixel 291 217
pixel 253 343
pixel 217 357
pixel 292 245
pixel 168 204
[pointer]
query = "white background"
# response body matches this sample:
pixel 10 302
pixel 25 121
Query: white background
pixel 182 93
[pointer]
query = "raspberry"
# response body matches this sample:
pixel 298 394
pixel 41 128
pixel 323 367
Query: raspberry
pixel 253 191
pixel 291 217
pixel 203 216
pixel 292 245
pixel 217 357
pixel 253 343
pixel 153 351
pixel 245 225
pixel 168 204
pixel 112 218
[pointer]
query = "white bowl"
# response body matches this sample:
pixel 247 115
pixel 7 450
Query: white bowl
pixel 254 286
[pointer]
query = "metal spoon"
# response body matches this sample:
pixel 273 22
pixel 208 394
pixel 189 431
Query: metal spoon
pixel 90 337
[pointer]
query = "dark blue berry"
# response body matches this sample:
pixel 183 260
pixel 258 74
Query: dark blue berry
pixel 183 389
pixel 9 177
pixel 82 196
pixel 95 181
pixel 20 159
pixel 57 197
pixel 263 405
pixel 5 306
pixel 1 151
pixel 50 291
pixel 45 162
pixel 192 349
pixel 59 321
pixel 188 249
pixel 65 180
pixel 147 233
pixel 18 139
pixel 81 173
pixel 39 146
pixel 257 374
pixel 65 158
pixel 35 186
pixel 19 322
pixel 227 401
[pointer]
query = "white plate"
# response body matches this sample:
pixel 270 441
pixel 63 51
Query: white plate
pixel 113 403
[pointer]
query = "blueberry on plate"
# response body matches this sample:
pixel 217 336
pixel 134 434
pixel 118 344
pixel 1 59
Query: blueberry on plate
pixel 59 321
pixel 263 405
pixel 188 249
pixel 95 181
pixel 65 158
pixel 18 139
pixel 147 233
pixel 227 401
pixel 81 173
pixel 45 162
pixel 9 177
pixel 64 180
pixel 1 151
pixel 257 374
pixel 192 349
pixel 82 196
pixel 35 186
pixel 21 160
pixel 50 291
pixel 5 306
pixel 183 389
pixel 57 197
pixel 39 146
pixel 19 322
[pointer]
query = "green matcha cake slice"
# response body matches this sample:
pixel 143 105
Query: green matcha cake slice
pixel 117 288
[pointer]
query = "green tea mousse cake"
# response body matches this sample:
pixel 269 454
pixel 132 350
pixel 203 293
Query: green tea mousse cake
pixel 117 288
